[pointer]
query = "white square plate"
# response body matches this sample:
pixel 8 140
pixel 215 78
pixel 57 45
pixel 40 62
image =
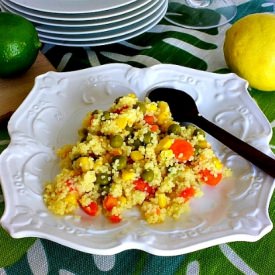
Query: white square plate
pixel 235 210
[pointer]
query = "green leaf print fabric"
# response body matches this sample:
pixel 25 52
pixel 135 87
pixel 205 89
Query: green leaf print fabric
pixel 164 43
pixel 11 250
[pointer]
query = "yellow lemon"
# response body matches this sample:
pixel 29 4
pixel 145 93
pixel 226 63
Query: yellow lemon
pixel 249 50
pixel 19 44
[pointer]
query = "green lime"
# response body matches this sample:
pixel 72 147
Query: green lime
pixel 19 44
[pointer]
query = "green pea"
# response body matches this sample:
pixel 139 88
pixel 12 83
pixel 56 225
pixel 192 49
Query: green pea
pixel 199 131
pixel 191 128
pixel 129 129
pixel 147 138
pixel 95 112
pixel 175 129
pixel 147 175
pixel 104 189
pixel 116 141
pixel 118 99
pixel 141 105
pixel 121 162
pixel 83 133
pixel 106 115
pixel 197 149
pixel 137 143
pixel 102 178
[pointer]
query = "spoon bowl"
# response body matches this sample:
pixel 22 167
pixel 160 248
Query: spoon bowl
pixel 184 109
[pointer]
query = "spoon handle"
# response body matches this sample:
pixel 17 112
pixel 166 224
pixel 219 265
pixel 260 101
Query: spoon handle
pixel 261 160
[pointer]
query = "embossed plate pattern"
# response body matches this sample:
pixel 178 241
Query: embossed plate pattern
pixel 235 210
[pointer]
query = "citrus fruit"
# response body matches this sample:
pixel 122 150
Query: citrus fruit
pixel 19 44
pixel 249 50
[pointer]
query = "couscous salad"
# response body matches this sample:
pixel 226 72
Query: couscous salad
pixel 133 155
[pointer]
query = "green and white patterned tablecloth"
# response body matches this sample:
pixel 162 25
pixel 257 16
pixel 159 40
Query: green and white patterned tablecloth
pixel 164 43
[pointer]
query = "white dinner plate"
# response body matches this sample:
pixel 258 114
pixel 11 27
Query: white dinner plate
pixel 103 15
pixel 234 210
pixel 73 6
pixel 150 20
pixel 91 26
pixel 107 41
pixel 102 26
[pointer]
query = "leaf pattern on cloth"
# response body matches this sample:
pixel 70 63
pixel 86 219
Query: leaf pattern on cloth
pixel 37 259
pixel 11 250
pixel 105 263
pixel 193 268
pixel 235 259
pixel 65 272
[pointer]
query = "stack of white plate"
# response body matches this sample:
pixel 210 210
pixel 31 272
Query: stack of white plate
pixel 88 22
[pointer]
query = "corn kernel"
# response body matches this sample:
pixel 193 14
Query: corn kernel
pixel 162 200
pixel 71 199
pixel 217 163
pixel 121 122
pixel 162 117
pixel 151 107
pixel 136 156
pixel 163 106
pixel 64 151
pixel 122 200
pixel 127 175
pixel 98 164
pixel 86 163
pixel 164 144
pixel 203 144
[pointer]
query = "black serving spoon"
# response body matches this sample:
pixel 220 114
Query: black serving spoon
pixel 184 109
